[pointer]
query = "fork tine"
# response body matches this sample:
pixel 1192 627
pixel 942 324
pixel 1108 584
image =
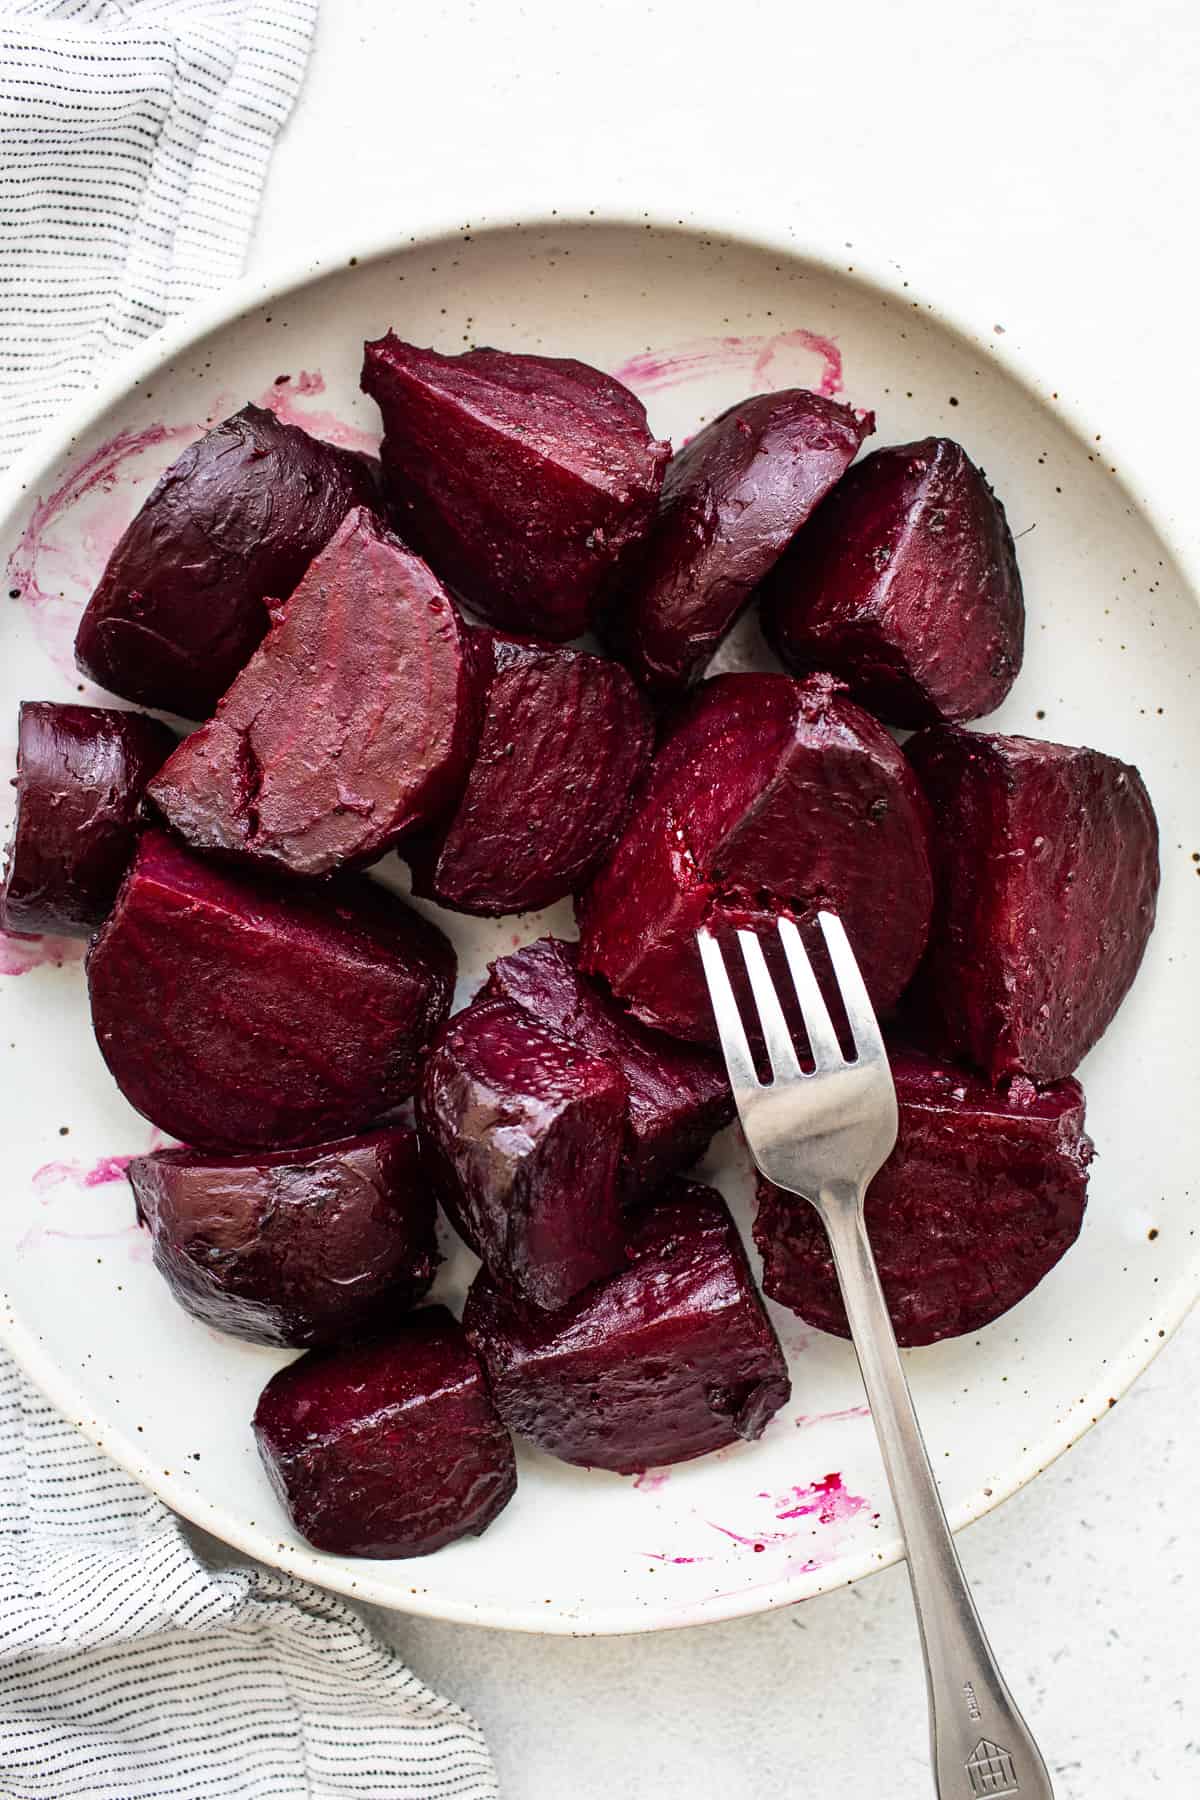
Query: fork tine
pixel 864 1027
pixel 822 1038
pixel 781 1051
pixel 738 1060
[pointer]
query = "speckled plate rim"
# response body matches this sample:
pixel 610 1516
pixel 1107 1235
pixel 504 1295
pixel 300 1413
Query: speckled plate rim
pixel 874 274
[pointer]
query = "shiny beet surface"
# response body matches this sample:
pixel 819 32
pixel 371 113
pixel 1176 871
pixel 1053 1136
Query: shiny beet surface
pixel 565 739
pixel 388 1449
pixel 235 1015
pixel 671 1358
pixel 525 1130
pixel 233 523
pixel 768 796
pixel 81 775
pixel 983 1193
pixel 678 1095
pixel 1046 860
pixel 732 500
pixel 525 480
pixel 906 586
pixel 351 723
pixel 298 1247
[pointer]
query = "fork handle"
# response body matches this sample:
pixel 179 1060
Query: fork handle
pixel 981 1745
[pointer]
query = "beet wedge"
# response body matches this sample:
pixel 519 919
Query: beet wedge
pixel 525 480
pixel 350 725
pixel 906 587
pixel 81 776
pixel 233 523
pixel 666 1361
pixel 525 1131
pixel 238 1016
pixel 1047 877
pixel 388 1449
pixel 298 1247
pixel 768 797
pixel 983 1194
pixel 565 740
pixel 732 501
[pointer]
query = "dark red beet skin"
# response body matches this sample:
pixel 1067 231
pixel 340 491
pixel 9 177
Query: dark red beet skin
pixel 351 723
pixel 81 775
pixel 525 1130
pixel 732 501
pixel 768 796
pixel 237 1016
pixel 525 480
pixel 564 741
pixel 297 1246
pixel 906 586
pixel 678 1095
pixel 233 522
pixel 389 1449
pixel 668 1360
pixel 1047 876
pixel 983 1193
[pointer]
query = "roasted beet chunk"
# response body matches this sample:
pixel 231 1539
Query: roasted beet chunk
pixel 81 774
pixel 296 1247
pixel 234 1015
pixel 525 1131
pixel 768 797
pixel 983 1193
pixel 565 740
pixel 1047 878
pixel 233 523
pixel 524 479
pixel 906 586
pixel 732 500
pixel 389 1449
pixel 350 724
pixel 678 1095
pixel 671 1358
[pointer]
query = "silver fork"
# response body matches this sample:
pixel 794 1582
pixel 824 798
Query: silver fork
pixel 824 1136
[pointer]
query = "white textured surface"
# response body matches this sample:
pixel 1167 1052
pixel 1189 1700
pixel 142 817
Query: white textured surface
pixel 1039 162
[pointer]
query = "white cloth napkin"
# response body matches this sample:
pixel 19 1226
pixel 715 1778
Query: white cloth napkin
pixel 134 138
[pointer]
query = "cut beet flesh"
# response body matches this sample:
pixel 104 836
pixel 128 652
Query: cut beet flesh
pixel 565 739
pixel 388 1449
pixel 233 523
pixel 983 1193
pixel 1047 877
pixel 678 1095
pixel 81 775
pixel 297 1246
pixel 524 479
pixel 525 1130
pixel 732 501
pixel 235 1016
pixel 350 724
pixel 906 586
pixel 671 1358
pixel 769 796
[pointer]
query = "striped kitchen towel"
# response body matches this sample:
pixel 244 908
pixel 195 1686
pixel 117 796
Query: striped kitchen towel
pixel 134 138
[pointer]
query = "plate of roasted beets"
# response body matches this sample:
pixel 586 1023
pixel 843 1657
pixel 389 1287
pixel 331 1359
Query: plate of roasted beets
pixel 399 670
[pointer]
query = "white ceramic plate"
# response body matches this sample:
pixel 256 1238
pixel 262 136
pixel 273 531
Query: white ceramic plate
pixel 693 322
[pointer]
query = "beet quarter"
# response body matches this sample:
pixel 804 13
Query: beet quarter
pixel 668 1360
pixel 234 522
pixel 526 480
pixel 1047 874
pixel 235 1015
pixel 295 1247
pixel 388 1449
pixel 350 724
pixel 982 1195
